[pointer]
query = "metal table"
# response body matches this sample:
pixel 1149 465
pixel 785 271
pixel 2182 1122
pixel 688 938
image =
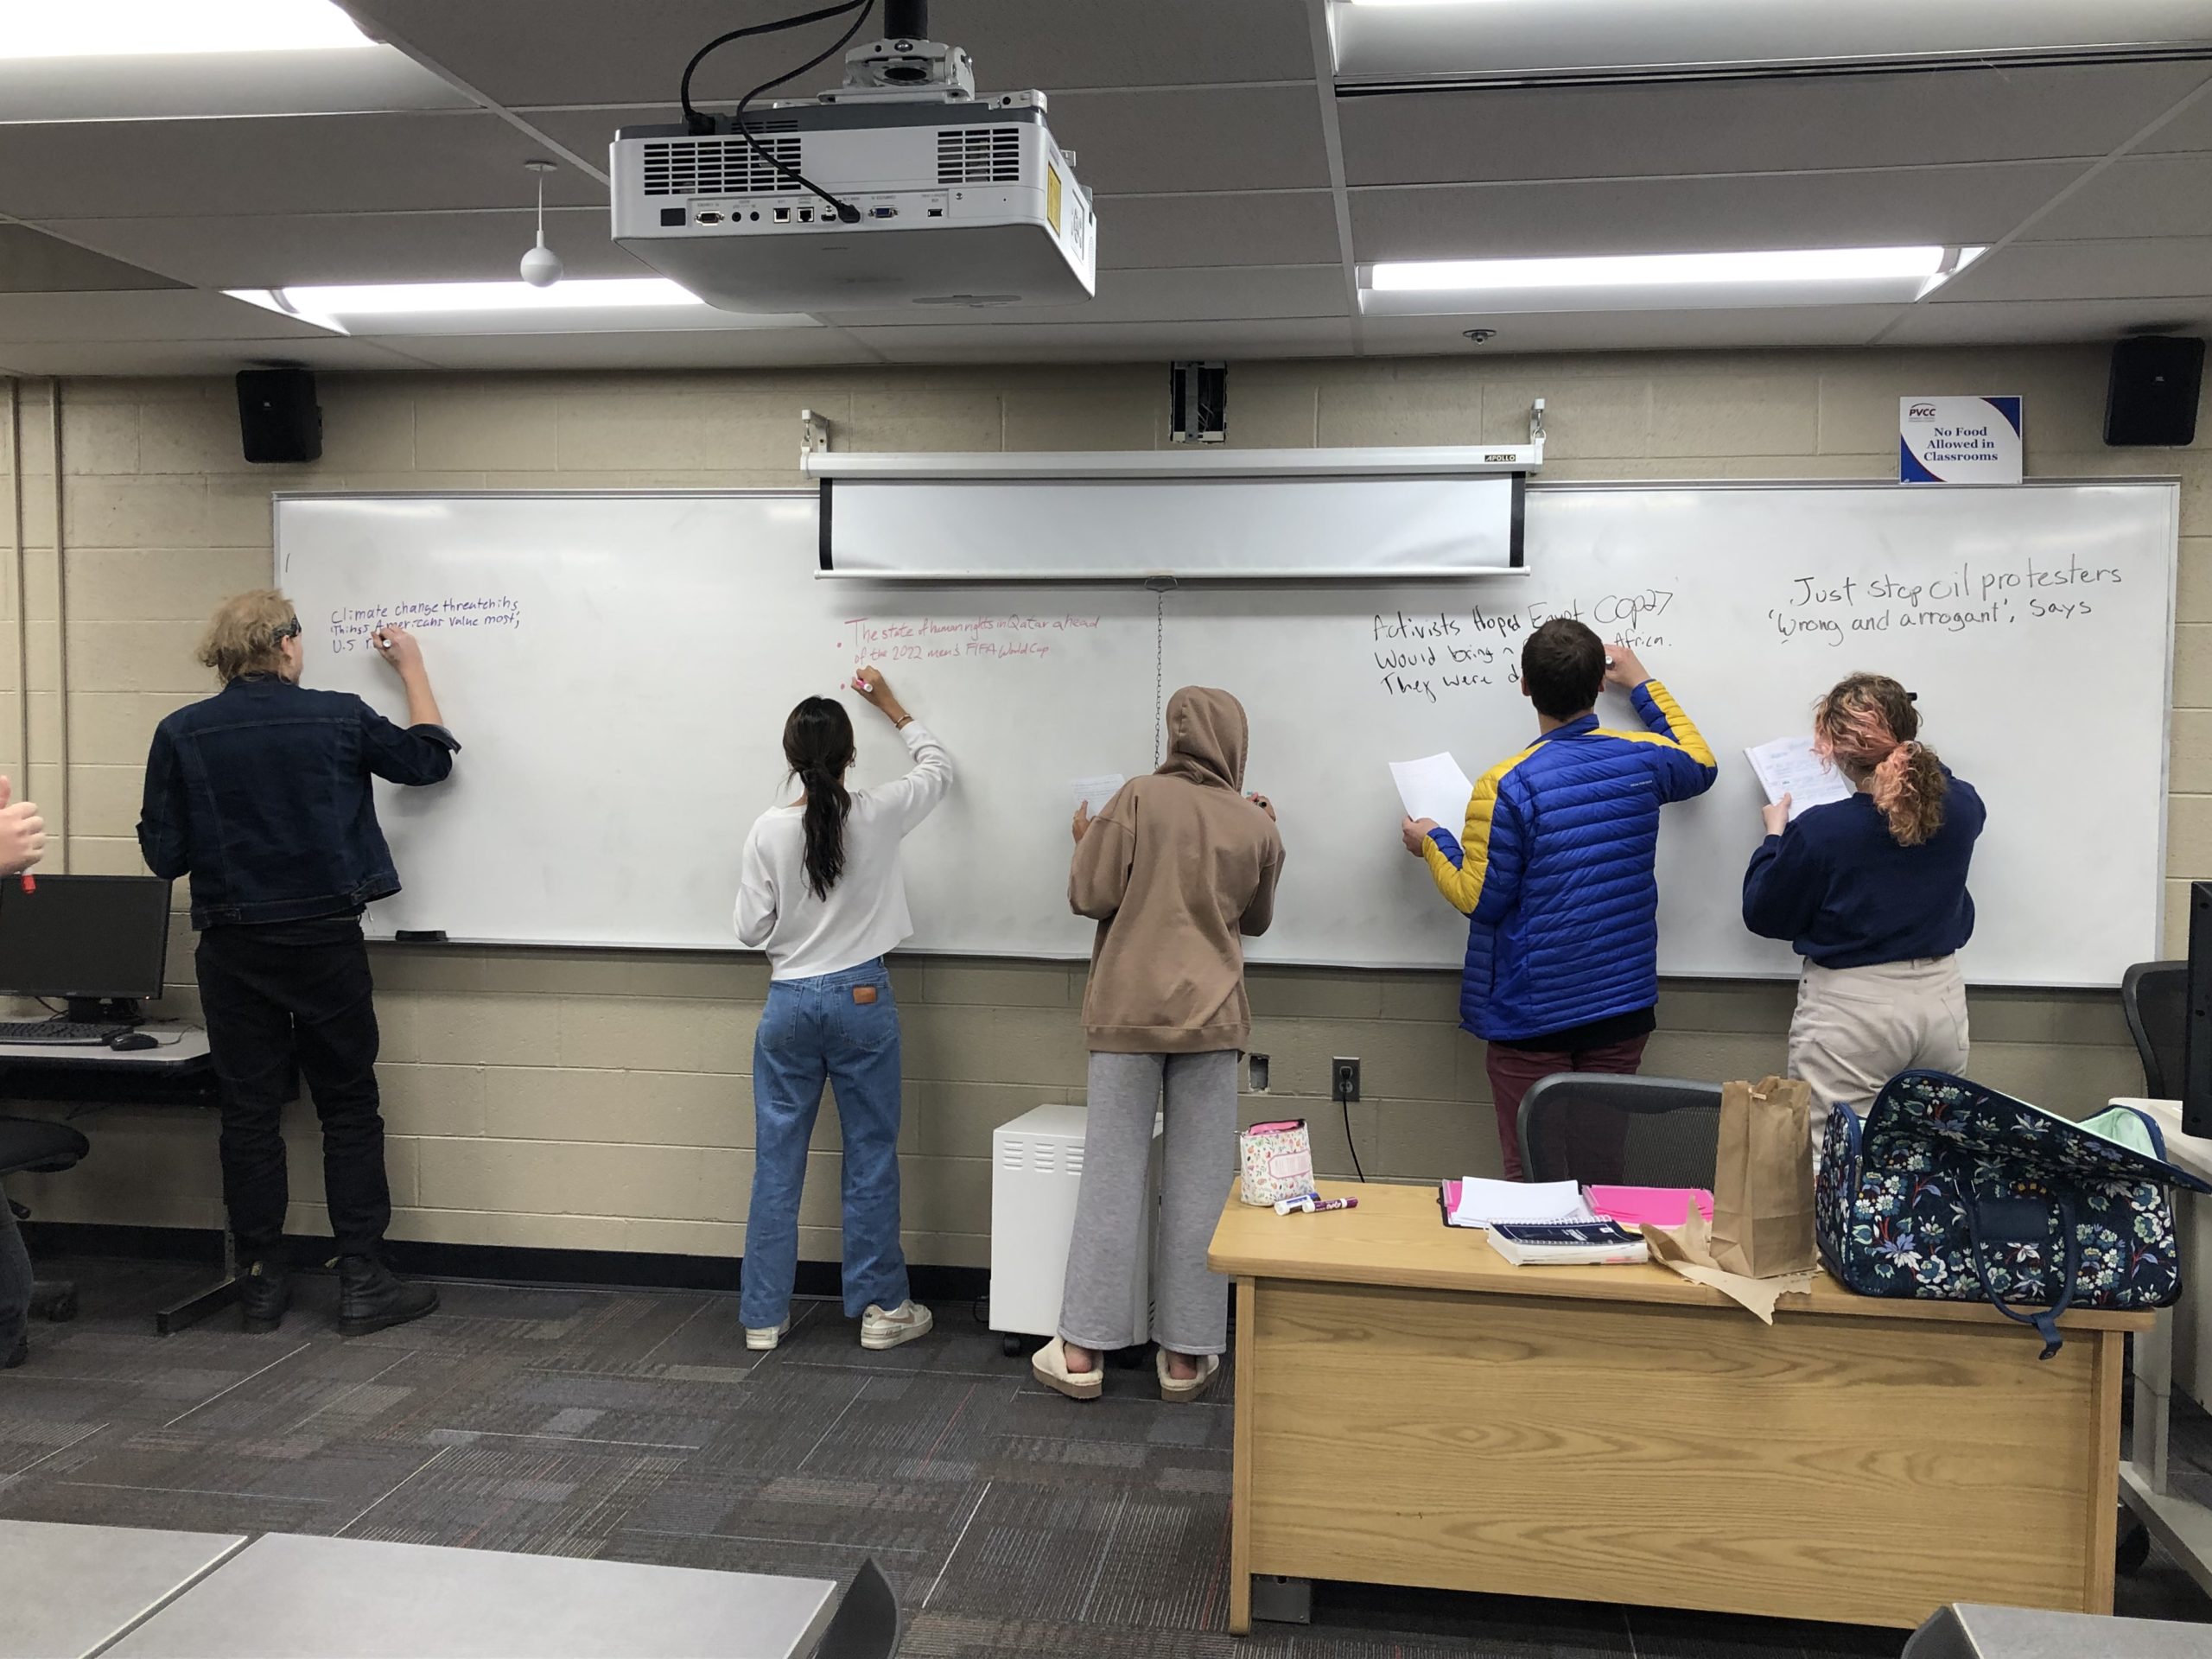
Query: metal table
pixel 66 1592
pixel 358 1598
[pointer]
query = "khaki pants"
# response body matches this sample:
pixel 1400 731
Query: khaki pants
pixel 1855 1028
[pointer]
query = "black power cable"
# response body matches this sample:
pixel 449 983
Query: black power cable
pixel 699 124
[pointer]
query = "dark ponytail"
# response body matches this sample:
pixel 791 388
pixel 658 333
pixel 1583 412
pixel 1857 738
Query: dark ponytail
pixel 818 746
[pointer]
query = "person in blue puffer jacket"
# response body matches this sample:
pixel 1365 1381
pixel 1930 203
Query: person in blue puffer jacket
pixel 1554 872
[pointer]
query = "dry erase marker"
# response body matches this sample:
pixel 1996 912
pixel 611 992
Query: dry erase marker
pixel 1311 1204
pixel 30 882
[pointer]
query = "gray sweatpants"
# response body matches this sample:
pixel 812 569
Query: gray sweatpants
pixel 15 1280
pixel 1191 1301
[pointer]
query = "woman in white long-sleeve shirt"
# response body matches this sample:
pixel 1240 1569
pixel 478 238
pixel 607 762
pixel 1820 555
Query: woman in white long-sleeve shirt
pixel 822 892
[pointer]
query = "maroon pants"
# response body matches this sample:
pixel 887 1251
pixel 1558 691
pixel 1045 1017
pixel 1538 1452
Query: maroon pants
pixel 1596 1144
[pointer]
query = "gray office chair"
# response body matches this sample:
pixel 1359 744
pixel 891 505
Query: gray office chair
pixel 2155 995
pixel 867 1624
pixel 1589 1126
pixel 33 1145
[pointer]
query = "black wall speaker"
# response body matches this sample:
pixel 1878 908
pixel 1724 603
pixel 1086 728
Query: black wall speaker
pixel 278 416
pixel 2152 397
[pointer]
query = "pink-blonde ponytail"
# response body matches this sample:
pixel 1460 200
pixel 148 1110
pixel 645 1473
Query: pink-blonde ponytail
pixel 1867 724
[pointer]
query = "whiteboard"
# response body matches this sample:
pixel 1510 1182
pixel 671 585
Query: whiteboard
pixel 618 667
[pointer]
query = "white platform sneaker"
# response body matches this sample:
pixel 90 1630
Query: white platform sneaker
pixel 879 1330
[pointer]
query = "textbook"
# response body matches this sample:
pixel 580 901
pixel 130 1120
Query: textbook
pixel 1571 1243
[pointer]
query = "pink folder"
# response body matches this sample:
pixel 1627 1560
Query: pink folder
pixel 1657 1206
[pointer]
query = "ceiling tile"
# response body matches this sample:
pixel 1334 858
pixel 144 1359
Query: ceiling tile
pixel 1233 138
pixel 521 51
pixel 1257 227
pixel 280 164
pixel 1150 296
pixel 274 250
pixel 156 314
pixel 2159 195
pixel 2190 130
pixel 1904 120
pixel 193 355
pixel 2086 270
pixel 1631 331
pixel 1891 207
pixel 33 263
pixel 2031 323
pixel 748 348
pixel 1113 341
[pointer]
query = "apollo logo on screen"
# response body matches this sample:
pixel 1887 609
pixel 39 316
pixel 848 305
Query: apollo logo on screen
pixel 1959 440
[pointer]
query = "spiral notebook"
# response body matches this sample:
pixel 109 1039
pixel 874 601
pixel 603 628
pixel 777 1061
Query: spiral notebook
pixel 1479 1202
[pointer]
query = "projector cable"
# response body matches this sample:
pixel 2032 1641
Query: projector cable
pixel 701 124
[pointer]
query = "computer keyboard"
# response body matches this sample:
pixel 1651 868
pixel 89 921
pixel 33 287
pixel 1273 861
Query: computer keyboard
pixel 57 1032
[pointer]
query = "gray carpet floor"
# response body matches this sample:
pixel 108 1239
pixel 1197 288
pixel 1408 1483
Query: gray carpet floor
pixel 634 1426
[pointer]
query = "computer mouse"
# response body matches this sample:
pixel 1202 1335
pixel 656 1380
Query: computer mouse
pixel 125 1040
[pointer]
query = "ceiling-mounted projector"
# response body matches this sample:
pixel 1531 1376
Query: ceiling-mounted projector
pixel 899 188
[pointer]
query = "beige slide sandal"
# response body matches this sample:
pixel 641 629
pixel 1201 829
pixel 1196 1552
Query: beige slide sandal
pixel 1049 1366
pixel 1177 1389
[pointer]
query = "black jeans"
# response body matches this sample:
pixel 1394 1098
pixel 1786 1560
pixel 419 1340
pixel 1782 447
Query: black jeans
pixel 282 1001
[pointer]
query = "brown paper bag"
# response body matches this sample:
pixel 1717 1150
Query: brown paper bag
pixel 1763 1179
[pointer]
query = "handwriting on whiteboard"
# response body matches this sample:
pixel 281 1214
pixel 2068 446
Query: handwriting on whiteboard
pixel 1973 596
pixel 349 625
pixel 1013 637
pixel 1429 655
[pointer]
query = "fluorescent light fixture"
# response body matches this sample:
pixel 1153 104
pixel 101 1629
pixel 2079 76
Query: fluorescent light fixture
pixel 406 299
pixel 572 306
pixel 109 28
pixel 1660 281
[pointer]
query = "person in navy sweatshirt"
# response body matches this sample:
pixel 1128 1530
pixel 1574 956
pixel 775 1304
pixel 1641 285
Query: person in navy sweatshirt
pixel 1872 891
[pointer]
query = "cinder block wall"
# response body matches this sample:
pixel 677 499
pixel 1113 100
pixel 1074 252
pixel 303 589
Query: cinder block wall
pixel 599 1100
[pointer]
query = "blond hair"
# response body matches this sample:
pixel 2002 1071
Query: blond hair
pixel 247 634
pixel 1867 724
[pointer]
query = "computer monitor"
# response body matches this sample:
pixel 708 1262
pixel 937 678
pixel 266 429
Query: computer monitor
pixel 2197 1063
pixel 98 940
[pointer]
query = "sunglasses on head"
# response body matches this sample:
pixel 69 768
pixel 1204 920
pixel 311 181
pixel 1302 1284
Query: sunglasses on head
pixel 289 630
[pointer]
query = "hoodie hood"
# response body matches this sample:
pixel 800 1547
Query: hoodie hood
pixel 1206 734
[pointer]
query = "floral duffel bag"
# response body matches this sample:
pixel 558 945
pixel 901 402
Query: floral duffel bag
pixel 1950 1192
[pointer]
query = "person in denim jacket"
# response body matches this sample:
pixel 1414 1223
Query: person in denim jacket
pixel 261 794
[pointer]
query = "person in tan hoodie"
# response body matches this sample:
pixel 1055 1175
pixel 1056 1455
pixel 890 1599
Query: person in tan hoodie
pixel 1176 871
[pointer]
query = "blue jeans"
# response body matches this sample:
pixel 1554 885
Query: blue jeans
pixel 814 1030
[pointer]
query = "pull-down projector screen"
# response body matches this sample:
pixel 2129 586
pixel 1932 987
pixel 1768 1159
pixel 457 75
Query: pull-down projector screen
pixel 1277 524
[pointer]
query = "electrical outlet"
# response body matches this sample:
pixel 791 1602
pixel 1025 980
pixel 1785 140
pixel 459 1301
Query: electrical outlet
pixel 1344 1078
pixel 1257 1064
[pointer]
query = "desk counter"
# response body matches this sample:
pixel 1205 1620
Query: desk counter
pixel 1413 1409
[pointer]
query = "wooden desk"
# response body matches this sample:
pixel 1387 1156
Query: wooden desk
pixel 1411 1409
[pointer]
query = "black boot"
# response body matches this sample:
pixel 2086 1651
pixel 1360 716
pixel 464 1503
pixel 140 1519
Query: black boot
pixel 16 1354
pixel 370 1297
pixel 265 1292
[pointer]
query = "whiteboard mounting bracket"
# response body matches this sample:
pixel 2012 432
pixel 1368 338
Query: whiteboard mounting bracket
pixel 1536 430
pixel 813 433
